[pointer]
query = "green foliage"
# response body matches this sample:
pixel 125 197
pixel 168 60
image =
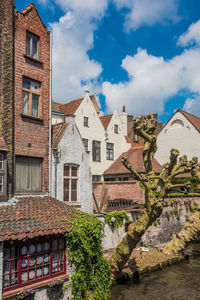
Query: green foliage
pixel 92 277
pixel 142 185
pixel 195 207
pixel 115 218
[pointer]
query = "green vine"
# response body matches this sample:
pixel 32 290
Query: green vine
pixel 115 218
pixel 92 277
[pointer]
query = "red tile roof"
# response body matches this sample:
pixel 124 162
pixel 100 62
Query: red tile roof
pixel 195 121
pixel 36 216
pixel 3 144
pixel 57 133
pixel 106 120
pixel 72 106
pixel 134 155
pixel 55 107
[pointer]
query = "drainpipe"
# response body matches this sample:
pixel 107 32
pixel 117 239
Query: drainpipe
pixel 95 200
pixel 55 152
pixel 50 99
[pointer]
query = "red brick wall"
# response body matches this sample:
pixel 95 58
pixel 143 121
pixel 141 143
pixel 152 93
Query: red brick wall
pixel 120 189
pixel 28 130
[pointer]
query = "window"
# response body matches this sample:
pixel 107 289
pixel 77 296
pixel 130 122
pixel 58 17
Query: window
pixel 31 96
pixel 32 45
pixel 28 174
pixel 96 178
pixel 85 121
pixel 135 137
pixel 85 143
pixel 116 128
pixel 70 183
pixel 96 151
pixel 1 161
pixel 31 261
pixel 109 151
pixel 1 184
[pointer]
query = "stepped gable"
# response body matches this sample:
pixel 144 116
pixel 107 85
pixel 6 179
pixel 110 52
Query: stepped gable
pixel 105 120
pixel 57 133
pixel 134 155
pixel 35 216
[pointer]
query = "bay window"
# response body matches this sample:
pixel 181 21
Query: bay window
pixel 28 262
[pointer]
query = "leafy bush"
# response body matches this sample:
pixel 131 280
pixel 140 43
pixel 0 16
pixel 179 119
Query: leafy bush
pixel 115 218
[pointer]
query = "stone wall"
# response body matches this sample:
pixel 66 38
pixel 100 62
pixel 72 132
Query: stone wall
pixel 170 222
pixel 6 84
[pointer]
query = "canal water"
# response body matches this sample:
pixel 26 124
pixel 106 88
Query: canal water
pixel 177 282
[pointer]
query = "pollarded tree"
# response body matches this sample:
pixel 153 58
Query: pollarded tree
pixel 144 127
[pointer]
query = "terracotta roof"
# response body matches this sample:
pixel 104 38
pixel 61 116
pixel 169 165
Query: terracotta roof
pixel 57 133
pixel 3 144
pixel 105 120
pixel 36 216
pixel 134 155
pixel 55 107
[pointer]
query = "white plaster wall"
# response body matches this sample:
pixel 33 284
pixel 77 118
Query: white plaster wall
pixel 96 131
pixel 71 150
pixel 184 138
pixel 56 119
pixel 1 269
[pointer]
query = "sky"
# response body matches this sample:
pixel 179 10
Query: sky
pixel 144 54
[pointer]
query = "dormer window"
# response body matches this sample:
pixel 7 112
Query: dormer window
pixel 32 45
pixel 85 121
pixel 116 128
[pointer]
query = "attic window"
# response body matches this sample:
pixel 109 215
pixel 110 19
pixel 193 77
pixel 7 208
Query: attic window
pixel 116 128
pixel 32 45
pixel 85 121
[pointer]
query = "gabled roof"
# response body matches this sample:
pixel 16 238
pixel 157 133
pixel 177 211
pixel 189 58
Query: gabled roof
pixel 55 107
pixel 3 144
pixel 30 7
pixel 34 216
pixel 194 120
pixel 105 120
pixel 134 155
pixel 57 133
pixel 72 106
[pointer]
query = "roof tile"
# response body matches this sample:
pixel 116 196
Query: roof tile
pixel 105 120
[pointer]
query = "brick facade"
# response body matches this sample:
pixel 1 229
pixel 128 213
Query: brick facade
pixel 32 133
pixel 6 84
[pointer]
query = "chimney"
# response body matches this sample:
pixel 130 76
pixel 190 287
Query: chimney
pixel 124 109
pixel 87 93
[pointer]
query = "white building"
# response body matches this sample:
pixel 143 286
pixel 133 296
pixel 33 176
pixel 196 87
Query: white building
pixel 104 137
pixel 71 175
pixel 181 132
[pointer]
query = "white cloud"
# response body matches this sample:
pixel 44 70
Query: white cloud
pixel 191 35
pixel 146 12
pixel 73 70
pixel 153 80
pixel 192 105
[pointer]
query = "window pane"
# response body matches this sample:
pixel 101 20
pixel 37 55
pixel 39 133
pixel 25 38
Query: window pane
pixel 74 196
pixel 26 83
pixel 73 190
pixel 66 195
pixel 35 86
pixel 35 105
pixel 66 184
pixel 25 108
pixel 74 171
pixel 35 172
pixel 66 170
pixel 1 184
pixel 28 43
pixel 1 161
pixel 35 41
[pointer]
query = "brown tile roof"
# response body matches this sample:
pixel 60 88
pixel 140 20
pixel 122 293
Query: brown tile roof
pixel 57 133
pixel 105 120
pixel 134 155
pixel 55 107
pixel 3 144
pixel 35 216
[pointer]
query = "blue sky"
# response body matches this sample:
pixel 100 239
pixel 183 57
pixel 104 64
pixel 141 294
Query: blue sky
pixel 144 54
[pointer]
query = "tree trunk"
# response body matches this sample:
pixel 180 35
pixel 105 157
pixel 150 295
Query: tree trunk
pixel 133 236
pixel 189 233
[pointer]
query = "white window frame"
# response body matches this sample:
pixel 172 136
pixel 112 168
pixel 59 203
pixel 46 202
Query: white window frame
pixel 70 178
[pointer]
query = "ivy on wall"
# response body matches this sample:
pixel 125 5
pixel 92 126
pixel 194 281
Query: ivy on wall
pixel 92 277
pixel 116 218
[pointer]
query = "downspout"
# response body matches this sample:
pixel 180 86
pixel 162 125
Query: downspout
pixel 95 200
pixel 56 163
pixel 50 99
